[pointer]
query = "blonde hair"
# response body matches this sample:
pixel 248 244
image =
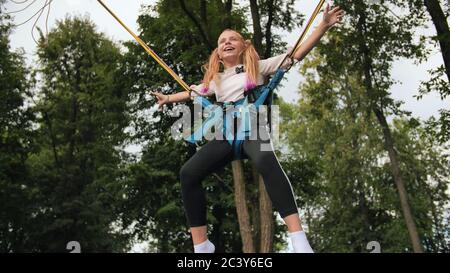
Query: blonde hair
pixel 250 60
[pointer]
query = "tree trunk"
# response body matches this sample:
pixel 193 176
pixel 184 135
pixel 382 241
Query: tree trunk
pixel 265 204
pixel 268 34
pixel 204 11
pixel 217 235
pixel 52 138
pixel 257 31
pixel 228 9
pixel 388 140
pixel 202 28
pixel 255 219
pixel 266 218
pixel 241 207
pixel 395 168
pixel 443 32
pixel 73 129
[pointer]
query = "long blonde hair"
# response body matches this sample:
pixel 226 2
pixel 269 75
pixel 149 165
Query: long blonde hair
pixel 250 59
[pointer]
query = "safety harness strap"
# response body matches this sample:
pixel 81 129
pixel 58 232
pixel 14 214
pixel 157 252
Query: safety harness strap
pixel 241 110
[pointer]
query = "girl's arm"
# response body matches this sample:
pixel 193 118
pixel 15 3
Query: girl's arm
pixel 165 99
pixel 330 18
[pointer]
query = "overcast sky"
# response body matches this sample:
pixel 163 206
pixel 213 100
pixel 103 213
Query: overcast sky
pixel 404 71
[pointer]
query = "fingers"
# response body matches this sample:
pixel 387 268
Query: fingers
pixel 160 105
pixel 340 15
pixel 159 97
pixel 327 9
pixel 335 10
pixel 155 95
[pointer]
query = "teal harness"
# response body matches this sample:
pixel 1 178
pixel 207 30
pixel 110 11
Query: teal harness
pixel 242 111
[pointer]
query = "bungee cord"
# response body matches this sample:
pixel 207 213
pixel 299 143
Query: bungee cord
pixel 18 3
pixel 34 27
pixel 304 32
pixel 149 50
pixel 39 14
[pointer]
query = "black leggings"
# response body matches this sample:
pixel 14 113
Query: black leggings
pixel 213 156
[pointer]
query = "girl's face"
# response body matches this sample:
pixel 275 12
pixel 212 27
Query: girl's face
pixel 230 46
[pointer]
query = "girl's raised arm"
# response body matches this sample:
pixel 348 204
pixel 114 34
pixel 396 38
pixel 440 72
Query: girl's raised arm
pixel 330 18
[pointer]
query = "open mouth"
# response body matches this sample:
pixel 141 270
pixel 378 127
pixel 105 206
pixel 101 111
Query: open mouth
pixel 228 49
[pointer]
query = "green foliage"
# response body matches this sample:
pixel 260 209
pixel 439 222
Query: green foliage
pixel 16 142
pixel 82 116
pixel 353 199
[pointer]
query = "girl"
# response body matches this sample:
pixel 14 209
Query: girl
pixel 242 71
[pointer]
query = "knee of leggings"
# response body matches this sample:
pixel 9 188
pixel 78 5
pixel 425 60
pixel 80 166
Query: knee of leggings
pixel 187 177
pixel 262 160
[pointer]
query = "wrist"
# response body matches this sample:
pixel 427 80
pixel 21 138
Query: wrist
pixel 168 98
pixel 323 27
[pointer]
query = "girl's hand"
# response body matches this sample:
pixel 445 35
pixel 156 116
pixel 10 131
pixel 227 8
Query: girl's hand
pixel 333 16
pixel 162 99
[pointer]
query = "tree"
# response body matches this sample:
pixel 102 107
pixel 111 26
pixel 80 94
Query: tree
pixel 437 83
pixel 337 145
pixel 439 19
pixel 82 112
pixel 381 37
pixel 16 144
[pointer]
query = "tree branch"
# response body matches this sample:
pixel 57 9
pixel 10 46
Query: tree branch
pixel 228 7
pixel 440 22
pixel 198 25
pixel 204 11
pixel 268 35
pixel 257 31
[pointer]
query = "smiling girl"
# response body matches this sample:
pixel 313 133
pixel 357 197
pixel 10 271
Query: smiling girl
pixel 242 71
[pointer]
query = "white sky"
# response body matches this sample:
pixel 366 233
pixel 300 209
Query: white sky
pixel 404 71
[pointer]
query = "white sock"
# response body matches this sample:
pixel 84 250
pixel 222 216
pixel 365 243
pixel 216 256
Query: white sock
pixel 205 247
pixel 300 243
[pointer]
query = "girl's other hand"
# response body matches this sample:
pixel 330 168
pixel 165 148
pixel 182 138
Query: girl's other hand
pixel 332 16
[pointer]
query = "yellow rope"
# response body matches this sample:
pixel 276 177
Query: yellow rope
pixel 308 26
pixel 148 49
